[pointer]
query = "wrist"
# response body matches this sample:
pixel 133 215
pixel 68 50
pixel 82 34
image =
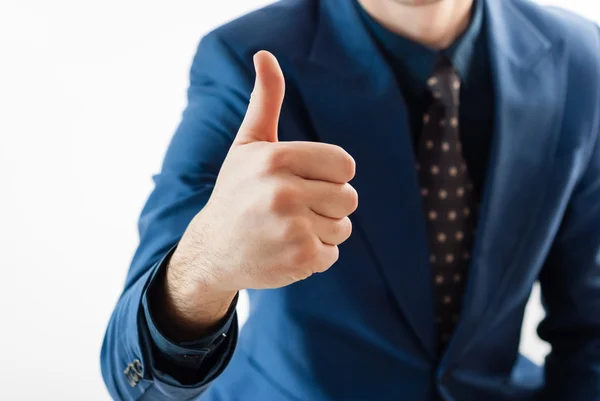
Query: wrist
pixel 190 306
pixel 193 262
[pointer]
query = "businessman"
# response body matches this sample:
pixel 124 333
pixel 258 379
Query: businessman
pixel 469 131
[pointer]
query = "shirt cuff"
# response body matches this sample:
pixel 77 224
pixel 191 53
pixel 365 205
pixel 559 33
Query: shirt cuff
pixel 202 359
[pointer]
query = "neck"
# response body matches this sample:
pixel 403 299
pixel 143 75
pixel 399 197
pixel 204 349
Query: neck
pixel 433 23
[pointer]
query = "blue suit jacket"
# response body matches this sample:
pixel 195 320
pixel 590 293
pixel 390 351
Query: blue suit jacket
pixel 364 330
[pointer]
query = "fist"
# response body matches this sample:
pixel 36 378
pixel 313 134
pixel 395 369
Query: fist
pixel 278 211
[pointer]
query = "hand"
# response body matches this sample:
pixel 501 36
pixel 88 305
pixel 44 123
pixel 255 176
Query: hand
pixel 276 215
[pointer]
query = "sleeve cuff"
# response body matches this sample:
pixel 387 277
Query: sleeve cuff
pixel 189 359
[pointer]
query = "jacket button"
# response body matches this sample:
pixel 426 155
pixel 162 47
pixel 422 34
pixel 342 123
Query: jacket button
pixel 138 368
pixel 133 372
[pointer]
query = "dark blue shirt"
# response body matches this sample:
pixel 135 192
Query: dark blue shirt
pixel 413 64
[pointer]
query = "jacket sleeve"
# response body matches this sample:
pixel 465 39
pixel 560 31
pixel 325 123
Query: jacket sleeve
pixel 570 283
pixel 137 361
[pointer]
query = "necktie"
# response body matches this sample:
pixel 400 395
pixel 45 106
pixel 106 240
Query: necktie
pixel 448 198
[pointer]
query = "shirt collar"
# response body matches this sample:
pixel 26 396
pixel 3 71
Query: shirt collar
pixel 419 60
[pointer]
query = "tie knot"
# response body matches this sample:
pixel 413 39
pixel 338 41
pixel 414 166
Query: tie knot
pixel 444 84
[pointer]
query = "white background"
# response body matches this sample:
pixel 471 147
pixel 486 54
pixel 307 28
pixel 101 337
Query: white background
pixel 90 93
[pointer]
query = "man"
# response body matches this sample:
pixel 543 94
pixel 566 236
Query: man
pixel 429 109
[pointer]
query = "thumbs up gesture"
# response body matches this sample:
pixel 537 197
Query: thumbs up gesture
pixel 277 213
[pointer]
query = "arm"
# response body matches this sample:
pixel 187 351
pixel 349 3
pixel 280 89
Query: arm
pixel 571 293
pixel 216 105
pixel 275 214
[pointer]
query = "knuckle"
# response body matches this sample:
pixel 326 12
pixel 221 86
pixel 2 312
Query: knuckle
pixel 352 197
pixel 335 255
pixel 296 228
pixel 345 229
pixel 276 159
pixel 337 228
pixel 328 262
pixel 283 196
pixel 305 254
pixel 340 229
pixel 348 165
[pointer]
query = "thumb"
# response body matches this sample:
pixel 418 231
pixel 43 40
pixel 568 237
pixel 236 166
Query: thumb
pixel 262 116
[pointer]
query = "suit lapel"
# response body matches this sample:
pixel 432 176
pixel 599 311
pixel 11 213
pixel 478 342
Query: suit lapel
pixel 529 80
pixel 353 101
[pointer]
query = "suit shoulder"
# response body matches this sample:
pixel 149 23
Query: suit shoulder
pixel 577 39
pixel 282 28
pixel 579 36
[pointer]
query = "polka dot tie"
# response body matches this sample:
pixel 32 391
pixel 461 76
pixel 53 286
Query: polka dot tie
pixel 448 198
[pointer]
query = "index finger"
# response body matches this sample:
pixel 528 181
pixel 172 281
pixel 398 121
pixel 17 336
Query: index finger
pixel 317 161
